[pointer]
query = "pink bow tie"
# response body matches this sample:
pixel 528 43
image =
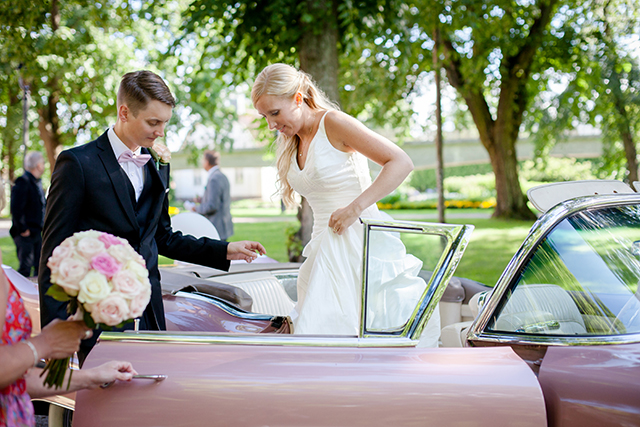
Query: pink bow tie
pixel 139 160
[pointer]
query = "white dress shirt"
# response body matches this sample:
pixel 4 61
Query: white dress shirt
pixel 135 173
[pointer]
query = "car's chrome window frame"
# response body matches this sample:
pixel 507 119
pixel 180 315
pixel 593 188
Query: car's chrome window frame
pixel 457 238
pixel 545 224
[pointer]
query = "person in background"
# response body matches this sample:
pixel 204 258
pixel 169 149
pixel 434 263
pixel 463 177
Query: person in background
pixel 20 353
pixel 27 214
pixel 216 202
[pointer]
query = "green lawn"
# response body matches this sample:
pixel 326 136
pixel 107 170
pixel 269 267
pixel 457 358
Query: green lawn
pixel 8 249
pixel 492 245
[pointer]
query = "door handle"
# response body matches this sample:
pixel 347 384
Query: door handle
pixel 154 377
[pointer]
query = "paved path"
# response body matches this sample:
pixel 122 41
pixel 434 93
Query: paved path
pixel 5 224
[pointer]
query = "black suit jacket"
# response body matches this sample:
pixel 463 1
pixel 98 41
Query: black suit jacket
pixel 90 191
pixel 27 206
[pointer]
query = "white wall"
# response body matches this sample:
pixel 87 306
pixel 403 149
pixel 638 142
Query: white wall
pixel 245 183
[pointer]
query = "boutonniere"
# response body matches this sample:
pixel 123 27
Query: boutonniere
pixel 160 153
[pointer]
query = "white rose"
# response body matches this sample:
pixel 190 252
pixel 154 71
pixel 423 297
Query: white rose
pixel 140 302
pixel 93 234
pixel 89 247
pixel 93 288
pixel 111 310
pixel 163 152
pixel 138 270
pixel 127 284
pixel 60 253
pixel 120 252
pixel 69 274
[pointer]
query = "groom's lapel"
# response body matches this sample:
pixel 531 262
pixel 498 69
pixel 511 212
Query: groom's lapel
pixel 118 178
pixel 159 186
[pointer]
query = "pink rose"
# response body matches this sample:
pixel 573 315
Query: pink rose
pixel 163 152
pixel 111 311
pixel 140 302
pixel 69 274
pixel 64 250
pixel 105 264
pixel 127 284
pixel 109 239
pixel 89 247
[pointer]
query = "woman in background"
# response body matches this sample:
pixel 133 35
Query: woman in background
pixel 20 353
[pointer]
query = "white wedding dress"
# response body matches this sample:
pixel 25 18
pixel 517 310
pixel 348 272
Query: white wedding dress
pixel 330 279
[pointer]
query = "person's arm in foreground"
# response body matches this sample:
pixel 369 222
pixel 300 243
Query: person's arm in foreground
pixel 347 134
pixel 57 340
pixel 81 379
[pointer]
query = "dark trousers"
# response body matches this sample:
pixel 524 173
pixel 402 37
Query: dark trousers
pixel 28 249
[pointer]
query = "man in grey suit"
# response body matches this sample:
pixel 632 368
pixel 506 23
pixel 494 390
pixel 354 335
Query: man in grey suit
pixel 216 202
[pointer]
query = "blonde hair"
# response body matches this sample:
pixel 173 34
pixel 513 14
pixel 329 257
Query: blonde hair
pixel 285 81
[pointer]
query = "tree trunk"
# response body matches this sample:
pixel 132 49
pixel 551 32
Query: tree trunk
pixel 10 144
pixel 499 136
pixel 318 50
pixel 48 126
pixel 618 99
pixel 630 152
pixel 439 156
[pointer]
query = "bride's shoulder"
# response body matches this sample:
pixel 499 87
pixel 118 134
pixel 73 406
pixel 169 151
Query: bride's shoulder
pixel 337 122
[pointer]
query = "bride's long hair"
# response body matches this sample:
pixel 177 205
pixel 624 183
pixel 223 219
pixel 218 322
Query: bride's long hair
pixel 284 80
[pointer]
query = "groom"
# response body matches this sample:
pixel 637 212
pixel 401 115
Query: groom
pixel 112 185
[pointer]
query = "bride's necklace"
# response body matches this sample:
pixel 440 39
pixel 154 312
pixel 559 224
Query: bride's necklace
pixel 300 152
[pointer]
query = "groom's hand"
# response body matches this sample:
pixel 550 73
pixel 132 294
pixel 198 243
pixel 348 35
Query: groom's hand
pixel 246 250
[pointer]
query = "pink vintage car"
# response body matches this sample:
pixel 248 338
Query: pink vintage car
pixel 556 341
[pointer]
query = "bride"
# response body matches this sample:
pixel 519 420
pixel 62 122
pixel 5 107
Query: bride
pixel 322 154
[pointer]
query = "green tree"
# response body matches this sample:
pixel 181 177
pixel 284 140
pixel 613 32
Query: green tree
pixel 601 83
pixel 491 50
pixel 72 55
pixel 245 36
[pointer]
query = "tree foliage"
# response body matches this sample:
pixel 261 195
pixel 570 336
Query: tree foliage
pixel 601 86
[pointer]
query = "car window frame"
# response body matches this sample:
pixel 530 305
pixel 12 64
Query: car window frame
pixel 540 230
pixel 457 238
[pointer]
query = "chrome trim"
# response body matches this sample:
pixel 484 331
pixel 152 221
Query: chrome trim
pixel 254 339
pixel 450 263
pixel 554 340
pixel 457 240
pixel 538 231
pixel 224 307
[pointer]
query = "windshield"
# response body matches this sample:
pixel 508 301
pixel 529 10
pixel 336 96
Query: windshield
pixel 581 280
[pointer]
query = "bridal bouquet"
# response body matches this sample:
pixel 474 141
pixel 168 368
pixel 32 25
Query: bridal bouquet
pixel 105 281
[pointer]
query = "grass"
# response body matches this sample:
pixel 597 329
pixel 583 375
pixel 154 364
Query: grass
pixel 8 249
pixel 493 242
pixel 270 234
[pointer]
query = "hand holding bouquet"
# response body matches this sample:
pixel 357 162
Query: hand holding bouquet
pixel 105 281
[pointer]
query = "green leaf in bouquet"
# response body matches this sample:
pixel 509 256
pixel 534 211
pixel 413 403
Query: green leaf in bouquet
pixel 57 293
pixel 72 307
pixel 113 328
pixel 88 320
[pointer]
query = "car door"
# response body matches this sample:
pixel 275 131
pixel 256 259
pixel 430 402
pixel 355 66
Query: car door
pixel 569 305
pixel 383 376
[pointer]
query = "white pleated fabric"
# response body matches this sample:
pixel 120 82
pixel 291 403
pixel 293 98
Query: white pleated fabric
pixel 330 279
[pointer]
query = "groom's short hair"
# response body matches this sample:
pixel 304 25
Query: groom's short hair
pixel 138 88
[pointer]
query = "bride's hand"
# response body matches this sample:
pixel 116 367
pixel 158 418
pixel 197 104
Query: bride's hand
pixel 342 219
